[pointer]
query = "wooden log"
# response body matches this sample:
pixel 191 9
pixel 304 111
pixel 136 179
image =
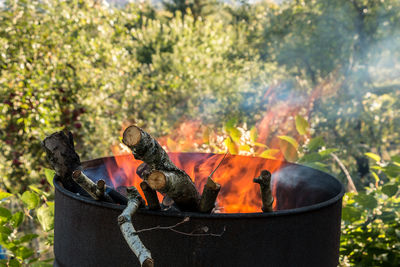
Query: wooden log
pixel 151 196
pixel 178 186
pixel 264 180
pixel 96 191
pixel 143 171
pixel 160 169
pixel 60 152
pixel 129 232
pixel 144 147
pixel 209 196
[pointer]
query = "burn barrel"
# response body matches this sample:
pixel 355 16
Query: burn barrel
pixel 303 231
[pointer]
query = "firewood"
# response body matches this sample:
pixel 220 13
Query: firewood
pixel 129 232
pixel 178 186
pixel 151 196
pixel 209 196
pixel 264 180
pixel 60 152
pixel 144 147
pixel 162 175
pixel 143 171
pixel 96 191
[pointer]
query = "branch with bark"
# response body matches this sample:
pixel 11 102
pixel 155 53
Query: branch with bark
pixel 60 153
pixel 129 232
pixel 96 191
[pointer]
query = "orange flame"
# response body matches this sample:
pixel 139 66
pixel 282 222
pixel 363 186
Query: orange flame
pixel 238 192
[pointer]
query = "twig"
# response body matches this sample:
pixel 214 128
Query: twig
pixel 171 227
pixel 211 174
pixel 350 186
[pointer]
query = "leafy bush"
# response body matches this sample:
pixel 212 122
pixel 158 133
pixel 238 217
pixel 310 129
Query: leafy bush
pixel 371 219
pixel 18 234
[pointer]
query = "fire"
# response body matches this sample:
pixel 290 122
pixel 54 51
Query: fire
pixel 238 192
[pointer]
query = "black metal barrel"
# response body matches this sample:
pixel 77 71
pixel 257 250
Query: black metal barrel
pixel 304 231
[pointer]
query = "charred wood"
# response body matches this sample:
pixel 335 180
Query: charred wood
pixel 264 180
pixel 60 153
pixel 178 186
pixel 209 196
pixel 151 196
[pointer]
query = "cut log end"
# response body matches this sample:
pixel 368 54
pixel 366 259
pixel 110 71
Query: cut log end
pixel 131 136
pixel 157 180
pixel 148 263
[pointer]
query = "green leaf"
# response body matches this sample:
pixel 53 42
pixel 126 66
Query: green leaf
pixel 390 189
pixel 232 147
pixel 49 176
pixel 301 125
pixel 269 153
pixel 14 263
pixel 5 230
pixel 395 158
pixel 5 214
pixel 315 144
pixel 288 150
pixel 260 145
pixel 235 134
pixel 367 201
pixel 230 123
pixel 327 152
pixel 45 216
pixel 4 195
pixel 28 238
pixel 376 177
pixel 373 156
pixel 30 199
pixel 350 214
pixel 23 253
pixel 311 157
pixel 253 134
pixel 290 140
pixel 36 190
pixel 17 218
pixel 41 264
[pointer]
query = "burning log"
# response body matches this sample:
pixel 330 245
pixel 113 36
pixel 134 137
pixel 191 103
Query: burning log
pixel 163 175
pixel 96 191
pixel 129 232
pixel 60 152
pixel 266 194
pixel 209 196
pixel 151 196
pixel 178 186
pixel 144 147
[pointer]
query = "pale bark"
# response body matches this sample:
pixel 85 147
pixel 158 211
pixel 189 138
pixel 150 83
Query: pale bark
pixel 129 232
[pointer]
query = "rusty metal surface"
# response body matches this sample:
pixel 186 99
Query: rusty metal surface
pixel 307 234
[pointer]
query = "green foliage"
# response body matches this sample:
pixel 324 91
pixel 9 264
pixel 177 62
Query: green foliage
pixel 16 233
pixel 92 68
pixel 371 221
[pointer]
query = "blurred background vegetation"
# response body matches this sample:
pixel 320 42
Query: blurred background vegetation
pixel 302 78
